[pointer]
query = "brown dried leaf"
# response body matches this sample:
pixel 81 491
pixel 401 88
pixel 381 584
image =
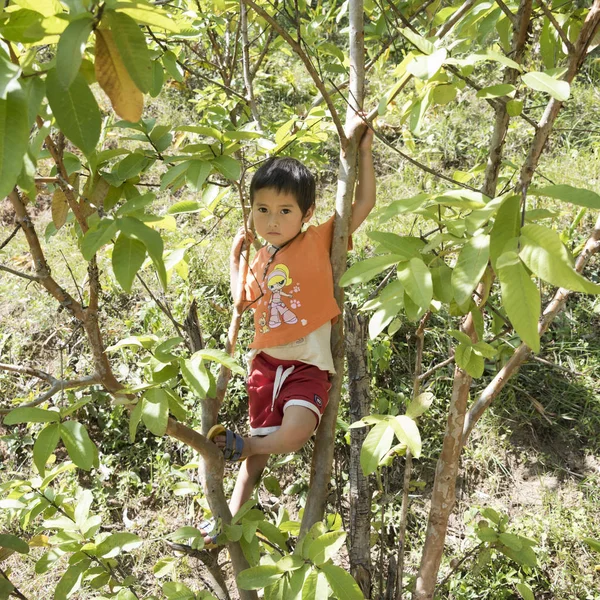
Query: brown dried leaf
pixel 126 99
pixel 60 205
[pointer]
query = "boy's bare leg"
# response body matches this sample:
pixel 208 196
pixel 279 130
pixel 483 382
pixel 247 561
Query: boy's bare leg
pixel 248 476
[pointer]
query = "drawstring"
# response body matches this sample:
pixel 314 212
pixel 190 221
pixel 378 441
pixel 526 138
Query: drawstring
pixel 280 378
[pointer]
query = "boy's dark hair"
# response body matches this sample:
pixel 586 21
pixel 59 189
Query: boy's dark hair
pixel 286 175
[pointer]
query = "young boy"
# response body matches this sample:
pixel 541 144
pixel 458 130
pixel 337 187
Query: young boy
pixel 290 288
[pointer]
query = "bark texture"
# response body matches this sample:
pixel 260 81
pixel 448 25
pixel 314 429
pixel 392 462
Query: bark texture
pixel 360 490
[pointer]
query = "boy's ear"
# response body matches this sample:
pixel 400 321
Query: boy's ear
pixel 308 214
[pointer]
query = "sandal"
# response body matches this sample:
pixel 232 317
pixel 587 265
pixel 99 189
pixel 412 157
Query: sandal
pixel 234 443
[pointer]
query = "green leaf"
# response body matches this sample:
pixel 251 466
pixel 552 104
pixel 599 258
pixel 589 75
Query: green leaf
pixel 365 270
pixel 135 204
pixel 541 82
pixel 520 298
pixel 405 246
pixel 216 355
pixel 514 108
pixel 174 590
pixel 155 411
pixel 197 173
pixel 341 582
pixel 495 91
pixel 6 588
pixel 131 43
pixel 315 586
pixel 151 239
pixel 568 193
pixel 71 46
pixel 14 137
pixel 127 258
pixel 75 110
pixel 470 267
pixel 196 376
pixel 134 419
pixel 425 46
pixel 525 591
pixel 426 66
pixel 444 94
pixel 228 167
pixel 384 315
pixel 162 351
pixel 117 543
pixel 416 280
pixel 469 361
pixel 544 254
pixel 290 562
pixel 407 432
pixel 70 582
pixel 31 415
pixel 511 540
pixel 23 26
pixel 131 165
pixel 326 547
pixel 525 556
pixel 592 543
pixel 507 226
pixel 487 534
pixel 406 205
pixel 185 206
pixel 80 447
pixel 375 447
pixel 419 405
pixel 441 279
pixel 259 577
pixel 44 446
pixel 9 76
pixel 14 543
pixel 98 235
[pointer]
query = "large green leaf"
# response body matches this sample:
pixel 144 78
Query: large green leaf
pixel 470 267
pixel 315 586
pixel 259 577
pixel 406 205
pixel 568 193
pixel 6 589
pixel 544 253
pixel 117 543
pixel 228 167
pixel 98 235
pixel 134 419
pixel 75 110
pixel 196 376
pixel 375 447
pixel 131 165
pixel 495 91
pixel 127 258
pixel 9 75
pixel 363 271
pixel 174 590
pixel 426 66
pixel 44 446
pixel 416 280
pixel 155 411
pixel 541 82
pixel 405 246
pixel 71 46
pixel 407 432
pixel 469 361
pixel 441 279
pixel 341 582
pixel 216 355
pixel 14 136
pixel 384 315
pixel 507 226
pixel 131 43
pixel 151 239
pixel 71 580
pixel 422 44
pixel 520 298
pixel 197 173
pixel 13 542
pixel 31 415
pixel 326 547
pixel 80 447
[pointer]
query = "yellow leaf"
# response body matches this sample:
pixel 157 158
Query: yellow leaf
pixel 125 97
pixel 60 205
pixel 5 553
pixel 39 541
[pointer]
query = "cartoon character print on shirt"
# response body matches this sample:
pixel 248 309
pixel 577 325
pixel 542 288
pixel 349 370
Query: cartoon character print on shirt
pixel 279 311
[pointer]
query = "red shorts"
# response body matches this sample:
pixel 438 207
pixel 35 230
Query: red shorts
pixel 274 384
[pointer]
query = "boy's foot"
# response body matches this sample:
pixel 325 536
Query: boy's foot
pixel 232 444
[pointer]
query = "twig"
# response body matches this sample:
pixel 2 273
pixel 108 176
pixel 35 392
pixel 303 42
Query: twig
pixel 10 237
pixel 460 562
pixel 15 592
pixel 163 307
pixel 399 14
pixel 72 277
pixel 511 15
pixel 559 29
pixel 555 366
pixel 435 368
pixel 19 273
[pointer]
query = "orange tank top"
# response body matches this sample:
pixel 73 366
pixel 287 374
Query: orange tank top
pixel 292 294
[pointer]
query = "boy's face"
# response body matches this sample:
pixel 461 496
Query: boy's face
pixel 277 216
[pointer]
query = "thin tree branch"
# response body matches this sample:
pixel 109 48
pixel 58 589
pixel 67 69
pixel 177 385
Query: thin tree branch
pixel 455 18
pixel 561 32
pixel 10 237
pixel 435 368
pixel 19 273
pixel 163 307
pixel 246 64
pixel 15 592
pixel 307 63
pixel 511 15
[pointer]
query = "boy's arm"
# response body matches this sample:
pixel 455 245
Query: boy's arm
pixel 364 195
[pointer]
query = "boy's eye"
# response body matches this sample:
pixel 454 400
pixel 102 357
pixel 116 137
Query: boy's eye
pixel 262 209
pixel 286 211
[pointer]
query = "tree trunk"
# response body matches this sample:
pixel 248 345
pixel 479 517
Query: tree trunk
pixel 323 452
pixel 360 490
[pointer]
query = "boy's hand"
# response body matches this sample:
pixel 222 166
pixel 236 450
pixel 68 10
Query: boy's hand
pixel 358 129
pixel 238 243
